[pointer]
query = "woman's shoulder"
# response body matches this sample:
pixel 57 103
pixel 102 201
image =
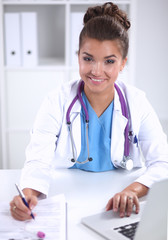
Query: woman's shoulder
pixel 130 91
pixel 60 96
pixel 135 98
pixel 63 91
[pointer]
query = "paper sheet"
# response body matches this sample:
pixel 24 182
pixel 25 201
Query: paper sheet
pixel 50 219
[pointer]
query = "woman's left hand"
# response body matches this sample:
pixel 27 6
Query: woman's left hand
pixel 126 201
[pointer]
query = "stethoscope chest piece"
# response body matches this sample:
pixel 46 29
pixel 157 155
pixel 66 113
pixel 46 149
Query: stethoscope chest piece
pixel 127 163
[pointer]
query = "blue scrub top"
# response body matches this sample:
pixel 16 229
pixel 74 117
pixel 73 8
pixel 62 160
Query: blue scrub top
pixel 99 139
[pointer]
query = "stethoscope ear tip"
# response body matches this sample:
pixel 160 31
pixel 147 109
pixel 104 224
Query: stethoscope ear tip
pixel 72 160
pixel 90 159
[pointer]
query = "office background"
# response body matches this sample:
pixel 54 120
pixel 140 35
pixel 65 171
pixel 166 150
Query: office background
pixel 149 50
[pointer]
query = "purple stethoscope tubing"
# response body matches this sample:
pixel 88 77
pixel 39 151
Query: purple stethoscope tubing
pixel 124 113
pixel 78 96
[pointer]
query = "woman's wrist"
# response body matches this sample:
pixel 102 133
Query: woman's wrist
pixel 31 192
pixel 138 188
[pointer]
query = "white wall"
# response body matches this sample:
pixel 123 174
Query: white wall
pixel 0 147
pixel 152 54
pixel 1 75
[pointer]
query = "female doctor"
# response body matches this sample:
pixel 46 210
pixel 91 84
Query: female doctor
pixel 103 128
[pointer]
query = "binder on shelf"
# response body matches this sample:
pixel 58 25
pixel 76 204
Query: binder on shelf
pixel 29 38
pixel 12 39
pixel 76 27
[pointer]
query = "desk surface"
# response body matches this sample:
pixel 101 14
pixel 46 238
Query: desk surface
pixel 86 193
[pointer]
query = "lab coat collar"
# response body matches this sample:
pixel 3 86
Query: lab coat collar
pixel 117 105
pixel 77 106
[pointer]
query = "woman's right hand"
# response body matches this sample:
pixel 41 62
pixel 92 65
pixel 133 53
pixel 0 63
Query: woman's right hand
pixel 18 209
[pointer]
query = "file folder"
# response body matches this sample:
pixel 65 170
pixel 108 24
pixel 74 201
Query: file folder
pixel 12 39
pixel 29 38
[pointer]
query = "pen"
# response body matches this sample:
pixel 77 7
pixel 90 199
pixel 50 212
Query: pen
pixel 23 198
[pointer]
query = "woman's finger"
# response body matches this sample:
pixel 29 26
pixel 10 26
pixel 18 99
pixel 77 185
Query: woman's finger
pixel 123 205
pixel 18 214
pixel 19 210
pixel 137 206
pixel 17 201
pixel 116 202
pixel 109 205
pixel 130 204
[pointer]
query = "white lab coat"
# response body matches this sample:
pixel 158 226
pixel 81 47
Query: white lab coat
pixel 50 145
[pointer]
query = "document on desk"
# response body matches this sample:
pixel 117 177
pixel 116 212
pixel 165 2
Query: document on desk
pixel 50 219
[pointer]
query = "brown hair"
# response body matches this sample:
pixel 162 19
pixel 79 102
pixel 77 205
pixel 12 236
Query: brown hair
pixel 106 22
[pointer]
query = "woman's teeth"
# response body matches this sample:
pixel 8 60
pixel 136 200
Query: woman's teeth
pixel 97 80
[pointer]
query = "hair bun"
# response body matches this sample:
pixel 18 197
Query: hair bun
pixel 108 9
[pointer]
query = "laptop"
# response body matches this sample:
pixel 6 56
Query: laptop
pixel 149 224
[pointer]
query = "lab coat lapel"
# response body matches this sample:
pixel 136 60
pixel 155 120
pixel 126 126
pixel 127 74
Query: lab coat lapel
pixel 117 135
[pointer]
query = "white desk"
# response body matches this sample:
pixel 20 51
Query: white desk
pixel 86 193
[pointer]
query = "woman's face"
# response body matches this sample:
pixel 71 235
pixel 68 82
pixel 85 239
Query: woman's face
pixel 99 65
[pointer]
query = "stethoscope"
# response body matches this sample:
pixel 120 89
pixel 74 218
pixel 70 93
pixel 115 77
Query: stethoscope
pixel 127 162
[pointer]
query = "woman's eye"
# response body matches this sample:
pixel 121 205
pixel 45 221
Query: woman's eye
pixel 110 61
pixel 87 59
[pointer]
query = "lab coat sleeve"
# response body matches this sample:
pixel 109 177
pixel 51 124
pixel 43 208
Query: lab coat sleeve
pixel 38 167
pixel 153 143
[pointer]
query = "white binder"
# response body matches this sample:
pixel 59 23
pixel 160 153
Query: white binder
pixel 12 39
pixel 76 27
pixel 29 38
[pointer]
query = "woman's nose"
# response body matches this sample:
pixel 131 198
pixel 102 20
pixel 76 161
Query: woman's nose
pixel 97 69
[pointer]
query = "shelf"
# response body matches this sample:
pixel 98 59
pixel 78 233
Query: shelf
pixel 18 130
pixel 49 63
pixel 36 69
pixel 33 2
pixel 51 32
pixel 55 2
pixel 99 2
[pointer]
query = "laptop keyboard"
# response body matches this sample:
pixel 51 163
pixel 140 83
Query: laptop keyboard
pixel 128 230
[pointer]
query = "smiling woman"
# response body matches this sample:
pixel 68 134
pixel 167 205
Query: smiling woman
pixel 102 127
pixel 103 48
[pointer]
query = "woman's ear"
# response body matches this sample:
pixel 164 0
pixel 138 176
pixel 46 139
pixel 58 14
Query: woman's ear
pixel 123 63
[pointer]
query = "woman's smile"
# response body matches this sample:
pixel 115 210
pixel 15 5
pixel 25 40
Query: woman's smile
pixel 96 80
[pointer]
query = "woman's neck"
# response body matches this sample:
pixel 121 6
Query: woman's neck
pixel 100 101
